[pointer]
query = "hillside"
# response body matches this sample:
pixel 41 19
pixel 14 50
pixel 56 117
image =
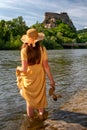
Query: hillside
pixel 82 35
pixel 82 30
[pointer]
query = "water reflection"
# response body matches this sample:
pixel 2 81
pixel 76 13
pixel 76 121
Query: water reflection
pixel 69 68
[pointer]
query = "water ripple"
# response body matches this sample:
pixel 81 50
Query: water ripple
pixel 69 68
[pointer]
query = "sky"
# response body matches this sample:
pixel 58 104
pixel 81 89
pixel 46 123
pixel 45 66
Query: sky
pixel 34 10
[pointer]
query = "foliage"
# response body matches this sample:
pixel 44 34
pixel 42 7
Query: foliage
pixel 82 36
pixel 11 32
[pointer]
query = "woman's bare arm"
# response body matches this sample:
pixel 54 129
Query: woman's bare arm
pixel 48 71
pixel 23 67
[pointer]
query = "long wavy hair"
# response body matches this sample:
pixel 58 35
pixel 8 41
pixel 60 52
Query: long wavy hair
pixel 33 53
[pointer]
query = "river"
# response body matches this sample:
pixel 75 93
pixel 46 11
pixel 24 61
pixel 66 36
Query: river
pixel 69 68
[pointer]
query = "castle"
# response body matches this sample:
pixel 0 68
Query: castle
pixel 50 19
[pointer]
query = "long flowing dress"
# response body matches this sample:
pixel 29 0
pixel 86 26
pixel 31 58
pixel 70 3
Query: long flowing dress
pixel 33 82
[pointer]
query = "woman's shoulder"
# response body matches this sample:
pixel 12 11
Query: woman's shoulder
pixel 23 51
pixel 44 53
pixel 43 48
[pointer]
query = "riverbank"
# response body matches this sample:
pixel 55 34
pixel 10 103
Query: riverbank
pixel 71 116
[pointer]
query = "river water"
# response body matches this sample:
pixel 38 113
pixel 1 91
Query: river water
pixel 69 69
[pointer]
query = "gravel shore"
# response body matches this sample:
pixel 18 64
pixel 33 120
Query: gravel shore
pixel 72 115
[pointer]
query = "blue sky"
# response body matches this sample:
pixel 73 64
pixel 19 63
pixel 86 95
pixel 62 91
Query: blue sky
pixel 34 10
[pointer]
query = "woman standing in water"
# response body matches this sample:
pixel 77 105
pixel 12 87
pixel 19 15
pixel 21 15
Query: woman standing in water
pixel 33 70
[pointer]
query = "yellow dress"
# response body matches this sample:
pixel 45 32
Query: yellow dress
pixel 33 83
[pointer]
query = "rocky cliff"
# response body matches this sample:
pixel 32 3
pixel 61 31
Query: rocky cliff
pixel 51 18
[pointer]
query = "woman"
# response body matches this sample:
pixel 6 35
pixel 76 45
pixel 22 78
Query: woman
pixel 34 65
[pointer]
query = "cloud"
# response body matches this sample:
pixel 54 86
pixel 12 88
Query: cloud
pixel 33 11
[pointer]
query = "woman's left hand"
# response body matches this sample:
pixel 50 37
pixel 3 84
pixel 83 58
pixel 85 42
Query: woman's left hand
pixel 52 84
pixel 18 68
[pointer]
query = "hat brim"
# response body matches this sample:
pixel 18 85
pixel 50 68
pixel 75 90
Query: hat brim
pixel 40 37
pixel 26 39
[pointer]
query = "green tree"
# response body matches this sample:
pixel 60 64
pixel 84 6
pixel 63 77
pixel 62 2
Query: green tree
pixel 10 31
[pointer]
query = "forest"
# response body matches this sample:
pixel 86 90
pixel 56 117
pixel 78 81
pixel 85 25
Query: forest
pixel 12 30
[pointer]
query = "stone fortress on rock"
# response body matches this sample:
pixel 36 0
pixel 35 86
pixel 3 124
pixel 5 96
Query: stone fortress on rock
pixel 50 19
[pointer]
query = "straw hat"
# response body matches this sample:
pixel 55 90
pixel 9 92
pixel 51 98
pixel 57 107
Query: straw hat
pixel 32 36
